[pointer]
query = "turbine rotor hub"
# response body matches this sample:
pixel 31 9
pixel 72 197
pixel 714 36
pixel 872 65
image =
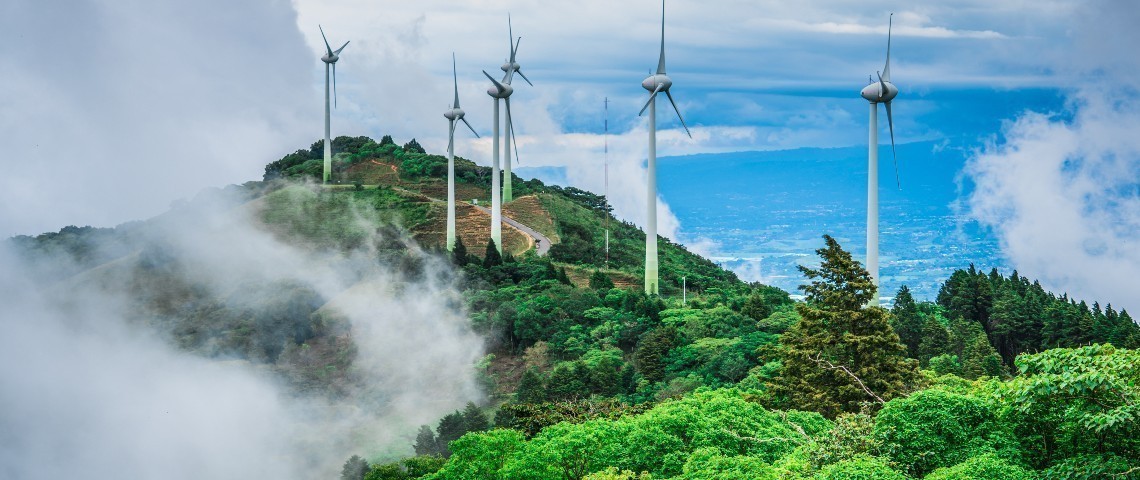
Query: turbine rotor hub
pixel 651 82
pixel 454 114
pixel 494 91
pixel 330 59
pixel 871 92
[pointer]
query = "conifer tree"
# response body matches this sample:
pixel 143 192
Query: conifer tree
pixel 459 253
pixel 530 389
pixel 425 442
pixel 450 428
pixel 473 419
pixel 492 257
pixel 600 281
pixel 354 468
pixel 413 147
pixel 935 341
pixel 842 354
pixel 906 321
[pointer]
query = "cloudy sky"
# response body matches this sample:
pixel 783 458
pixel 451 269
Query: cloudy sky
pixel 113 109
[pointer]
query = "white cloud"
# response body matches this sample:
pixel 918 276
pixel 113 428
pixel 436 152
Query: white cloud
pixel 111 110
pixel 1061 190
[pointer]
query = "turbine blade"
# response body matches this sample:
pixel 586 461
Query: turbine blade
pixel 334 84
pixel 887 67
pixel 651 97
pixel 496 82
pixel 894 155
pixel 675 109
pixel 455 80
pixel 882 85
pixel 511 128
pixel 469 126
pixel 325 39
pixel 515 50
pixel 451 136
pixel 337 51
pixel 511 38
pixel 524 77
pixel 661 60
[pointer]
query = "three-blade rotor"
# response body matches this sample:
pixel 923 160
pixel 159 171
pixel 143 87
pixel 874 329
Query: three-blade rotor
pixel 330 58
pixel 660 81
pixel 884 92
pixel 456 112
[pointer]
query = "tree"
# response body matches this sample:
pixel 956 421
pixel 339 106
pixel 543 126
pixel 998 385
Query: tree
pixel 459 253
pixel 907 322
pixel 425 442
pixel 935 341
pixel 387 140
pixel 933 429
pixel 841 354
pixel 756 307
pixel 473 419
pixel 449 429
pixel 1069 403
pixel 413 147
pixel 651 352
pixel 985 467
pixel 530 388
pixel 492 257
pixel 600 281
pixel 354 469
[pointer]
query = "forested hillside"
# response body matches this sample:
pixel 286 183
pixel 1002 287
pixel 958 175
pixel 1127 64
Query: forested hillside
pixel 585 376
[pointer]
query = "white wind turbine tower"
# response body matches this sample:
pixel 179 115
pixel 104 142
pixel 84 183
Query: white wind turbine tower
pixel 510 69
pixel 330 59
pixel 882 91
pixel 656 83
pixel 453 115
pixel 499 90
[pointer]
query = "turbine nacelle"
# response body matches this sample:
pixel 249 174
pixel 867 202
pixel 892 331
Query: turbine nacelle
pixel 330 58
pixel 504 92
pixel 510 67
pixel 654 81
pixel 454 114
pixel 878 92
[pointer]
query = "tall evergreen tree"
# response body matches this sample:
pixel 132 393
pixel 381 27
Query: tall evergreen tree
pixel 906 321
pixel 530 388
pixel 600 281
pixel 492 257
pixel 459 253
pixel 426 443
pixel 413 147
pixel 842 354
pixel 450 428
pixel 935 341
pixel 354 469
pixel 473 419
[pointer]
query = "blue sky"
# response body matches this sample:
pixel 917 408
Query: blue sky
pixel 113 110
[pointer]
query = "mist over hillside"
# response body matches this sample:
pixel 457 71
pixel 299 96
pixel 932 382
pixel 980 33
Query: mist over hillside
pixel 204 343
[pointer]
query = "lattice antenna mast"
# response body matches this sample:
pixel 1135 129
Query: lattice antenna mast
pixel 606 166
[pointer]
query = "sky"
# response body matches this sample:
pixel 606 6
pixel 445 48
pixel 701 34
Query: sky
pixel 113 110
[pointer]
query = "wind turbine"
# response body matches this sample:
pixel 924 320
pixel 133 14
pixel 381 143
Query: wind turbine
pixel 452 115
pixel 499 90
pixel 882 91
pixel 655 83
pixel 330 59
pixel 510 69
